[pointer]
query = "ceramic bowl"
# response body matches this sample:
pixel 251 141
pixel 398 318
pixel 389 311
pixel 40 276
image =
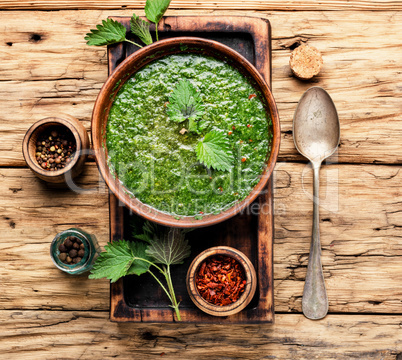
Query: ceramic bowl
pixel 129 67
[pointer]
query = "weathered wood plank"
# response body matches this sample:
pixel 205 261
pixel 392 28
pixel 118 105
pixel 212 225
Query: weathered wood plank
pixel 361 231
pixel 90 335
pixel 32 213
pixel 378 5
pixel 48 68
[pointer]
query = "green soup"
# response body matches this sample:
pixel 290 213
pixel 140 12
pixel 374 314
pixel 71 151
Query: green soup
pixel 157 163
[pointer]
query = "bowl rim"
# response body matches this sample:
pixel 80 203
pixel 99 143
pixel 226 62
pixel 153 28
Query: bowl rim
pixel 244 299
pixel 111 87
pixel 36 128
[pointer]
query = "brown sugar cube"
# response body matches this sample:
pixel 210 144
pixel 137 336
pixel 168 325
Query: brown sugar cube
pixel 305 61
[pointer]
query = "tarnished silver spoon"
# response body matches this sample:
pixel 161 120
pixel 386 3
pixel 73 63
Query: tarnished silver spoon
pixel 316 133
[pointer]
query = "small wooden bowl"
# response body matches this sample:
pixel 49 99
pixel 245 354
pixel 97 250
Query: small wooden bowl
pixel 74 168
pixel 244 298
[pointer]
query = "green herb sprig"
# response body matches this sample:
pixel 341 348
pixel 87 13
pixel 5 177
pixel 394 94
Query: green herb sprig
pixel 140 28
pixel 154 11
pixel 185 103
pixel 112 32
pixel 213 150
pixel 162 246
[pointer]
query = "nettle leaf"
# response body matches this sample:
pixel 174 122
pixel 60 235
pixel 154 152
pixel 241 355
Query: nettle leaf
pixel 114 262
pixel 149 231
pixel 138 267
pixel 140 28
pixel 110 32
pixel 184 102
pixel 155 9
pixel 169 248
pixel 214 151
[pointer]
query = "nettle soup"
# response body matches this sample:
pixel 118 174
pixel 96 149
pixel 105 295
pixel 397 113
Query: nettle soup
pixel 188 135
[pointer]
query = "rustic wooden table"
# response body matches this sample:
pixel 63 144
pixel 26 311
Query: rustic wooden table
pixel 46 68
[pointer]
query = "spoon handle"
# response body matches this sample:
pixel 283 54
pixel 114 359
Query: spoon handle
pixel 315 301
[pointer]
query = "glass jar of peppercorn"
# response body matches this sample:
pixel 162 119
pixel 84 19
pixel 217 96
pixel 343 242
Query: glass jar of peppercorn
pixel 74 251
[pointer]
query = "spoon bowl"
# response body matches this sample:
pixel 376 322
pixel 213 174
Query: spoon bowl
pixel 316 127
pixel 316 134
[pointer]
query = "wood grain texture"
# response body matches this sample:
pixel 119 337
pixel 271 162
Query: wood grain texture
pixel 89 335
pixel 378 5
pixel 58 72
pixel 32 213
pixel 360 229
pixel 360 234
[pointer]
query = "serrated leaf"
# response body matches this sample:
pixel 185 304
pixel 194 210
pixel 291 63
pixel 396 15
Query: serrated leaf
pixel 169 248
pixel 140 28
pixel 138 267
pixel 155 9
pixel 184 102
pixel 149 231
pixel 110 32
pixel 114 262
pixel 197 125
pixel 214 151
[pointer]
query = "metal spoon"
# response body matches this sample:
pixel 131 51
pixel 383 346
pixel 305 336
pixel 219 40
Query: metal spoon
pixel 316 133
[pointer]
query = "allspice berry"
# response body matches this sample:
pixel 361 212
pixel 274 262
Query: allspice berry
pixel 73 253
pixel 62 248
pixel 63 256
pixel 305 62
pixel 68 243
pixel 72 250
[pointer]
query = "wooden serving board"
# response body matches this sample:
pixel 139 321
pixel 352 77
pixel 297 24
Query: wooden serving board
pixel 139 298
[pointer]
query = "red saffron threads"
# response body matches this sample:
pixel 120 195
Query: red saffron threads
pixel 220 280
